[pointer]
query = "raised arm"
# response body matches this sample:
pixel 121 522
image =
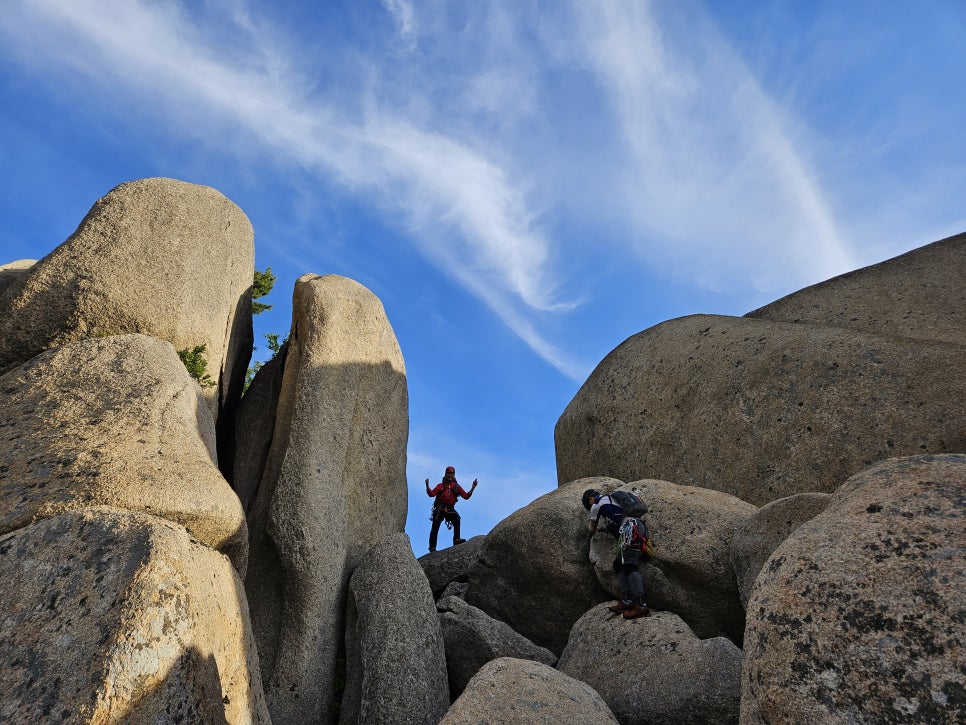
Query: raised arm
pixel 467 494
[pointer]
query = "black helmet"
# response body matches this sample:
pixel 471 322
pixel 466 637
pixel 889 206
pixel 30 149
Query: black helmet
pixel 588 498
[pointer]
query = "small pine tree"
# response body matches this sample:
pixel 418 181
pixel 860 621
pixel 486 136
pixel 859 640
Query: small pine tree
pixel 261 285
pixel 196 365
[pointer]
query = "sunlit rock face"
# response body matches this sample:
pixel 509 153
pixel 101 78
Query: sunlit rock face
pixel 334 485
pixel 793 398
pixel 118 616
pixel 114 421
pixel 859 614
pixel 158 256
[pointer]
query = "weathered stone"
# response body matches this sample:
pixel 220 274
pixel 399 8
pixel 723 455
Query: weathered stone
pixel 12 271
pixel 455 589
pixel 509 690
pixel 533 572
pixel 114 421
pixel 654 669
pixel 114 616
pixel 157 256
pixel 918 294
pixel 395 660
pixel 860 615
pixel 761 410
pixel 334 485
pixel 473 638
pixel 760 534
pixel 690 573
pixel 451 564
pixel 254 428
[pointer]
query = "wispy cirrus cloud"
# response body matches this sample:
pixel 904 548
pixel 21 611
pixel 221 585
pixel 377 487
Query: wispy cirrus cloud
pixel 716 180
pixel 463 209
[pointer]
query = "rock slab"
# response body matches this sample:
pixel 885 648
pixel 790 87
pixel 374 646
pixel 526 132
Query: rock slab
pixel 509 690
pixel 761 533
pixel 114 421
pixel 157 256
pixel 860 615
pixel 334 485
pixel 473 638
pixel 654 669
pixel 533 571
pixel 759 409
pixel 119 616
pixel 395 659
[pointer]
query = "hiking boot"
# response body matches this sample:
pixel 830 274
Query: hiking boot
pixel 637 611
pixel 622 606
pixel 432 549
pixel 458 541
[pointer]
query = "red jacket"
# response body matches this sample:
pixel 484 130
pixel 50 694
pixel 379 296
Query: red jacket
pixel 446 493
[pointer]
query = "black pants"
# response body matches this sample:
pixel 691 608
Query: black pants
pixel 438 516
pixel 629 577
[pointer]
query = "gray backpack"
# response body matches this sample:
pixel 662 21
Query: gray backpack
pixel 631 504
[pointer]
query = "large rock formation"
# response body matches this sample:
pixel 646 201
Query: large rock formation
pixel 451 564
pixel 655 670
pixel 473 638
pixel 759 409
pixel 114 421
pixel 918 295
pixel 761 533
pixel 690 573
pixel 509 690
pixel 333 486
pixel 860 615
pixel 163 257
pixel 533 572
pixel 113 616
pixel 395 660
pixel 12 271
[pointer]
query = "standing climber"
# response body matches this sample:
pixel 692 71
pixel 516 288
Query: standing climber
pixel 631 535
pixel 447 493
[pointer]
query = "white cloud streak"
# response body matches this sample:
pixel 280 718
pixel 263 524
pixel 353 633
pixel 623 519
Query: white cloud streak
pixel 715 173
pixel 463 211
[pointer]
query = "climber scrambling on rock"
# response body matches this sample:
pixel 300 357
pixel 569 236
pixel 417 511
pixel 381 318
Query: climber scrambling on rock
pixel 447 493
pixel 621 514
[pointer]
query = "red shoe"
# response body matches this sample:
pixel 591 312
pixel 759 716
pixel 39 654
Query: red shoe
pixel 637 611
pixel 621 606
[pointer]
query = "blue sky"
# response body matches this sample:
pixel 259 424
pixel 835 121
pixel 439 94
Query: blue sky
pixel 523 184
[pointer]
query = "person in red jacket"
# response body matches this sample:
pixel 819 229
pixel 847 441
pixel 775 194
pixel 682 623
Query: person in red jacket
pixel 447 493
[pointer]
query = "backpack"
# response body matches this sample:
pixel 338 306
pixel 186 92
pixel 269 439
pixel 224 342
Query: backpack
pixel 631 504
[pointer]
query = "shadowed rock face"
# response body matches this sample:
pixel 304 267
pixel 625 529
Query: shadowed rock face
pixel 509 690
pixel 690 573
pixel 859 615
pixel 118 616
pixel 761 533
pixel 533 572
pixel 12 271
pixel 158 256
pixel 759 409
pixel 917 295
pixel 395 661
pixel 473 638
pixel 114 421
pixel 451 564
pixel 334 485
pixel 655 669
